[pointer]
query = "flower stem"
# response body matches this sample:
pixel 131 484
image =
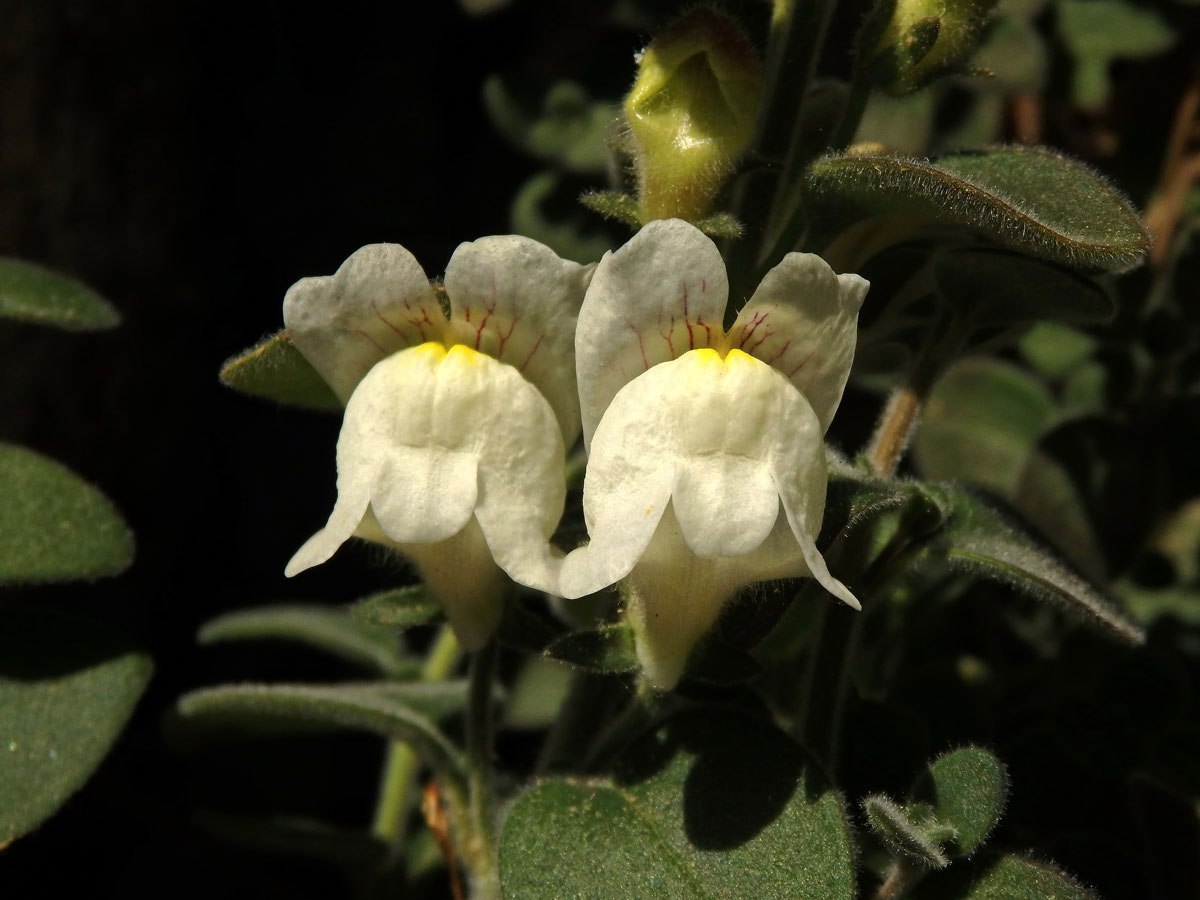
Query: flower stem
pixel 400 769
pixel 901 875
pixel 482 849
pixel 903 411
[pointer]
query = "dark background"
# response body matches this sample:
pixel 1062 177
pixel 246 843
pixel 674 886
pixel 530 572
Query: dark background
pixel 191 160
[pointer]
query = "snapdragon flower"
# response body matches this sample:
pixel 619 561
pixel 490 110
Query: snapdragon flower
pixel 706 467
pixel 451 448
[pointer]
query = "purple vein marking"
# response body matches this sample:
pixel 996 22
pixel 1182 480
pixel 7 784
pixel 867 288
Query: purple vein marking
pixel 534 350
pixel 369 339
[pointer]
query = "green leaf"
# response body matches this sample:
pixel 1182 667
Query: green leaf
pixel 1006 878
pixel 275 370
pixel 1056 350
pixel 332 630
pixel 31 293
pixel 53 525
pixel 980 541
pixel 67 687
pixel 967 789
pixel 559 124
pixel 536 697
pixel 901 833
pixel 402 712
pixel 996 288
pixel 1029 199
pixel 981 423
pixel 401 608
pixel 710 805
pixel 607 649
pixel 1098 31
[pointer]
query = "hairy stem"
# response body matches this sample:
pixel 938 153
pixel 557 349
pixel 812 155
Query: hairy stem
pixel 482 849
pixel 400 769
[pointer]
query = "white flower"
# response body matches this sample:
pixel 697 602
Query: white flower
pixel 451 448
pixel 707 457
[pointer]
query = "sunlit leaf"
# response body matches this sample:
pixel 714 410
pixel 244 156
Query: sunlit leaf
pixel 54 526
pixel 67 687
pixel 332 630
pixel 1026 199
pixel 275 370
pixel 708 806
pixel 967 789
pixel 31 293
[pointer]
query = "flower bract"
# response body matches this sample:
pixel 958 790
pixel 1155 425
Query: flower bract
pixel 451 448
pixel 706 467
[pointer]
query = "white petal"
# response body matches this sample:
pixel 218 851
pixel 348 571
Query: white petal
pixel 803 320
pixel 409 430
pixel 659 296
pixel 379 301
pixel 801 477
pixel 522 488
pixel 516 300
pixel 462 575
pixel 675 597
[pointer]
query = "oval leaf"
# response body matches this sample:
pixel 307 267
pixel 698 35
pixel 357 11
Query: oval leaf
pixel 1026 199
pixel 900 834
pixel 333 630
pixel 967 789
pixel 981 423
pixel 67 688
pixel 395 711
pixel 1006 878
pixel 979 540
pixel 401 608
pixel 609 649
pixel 708 806
pixel 31 293
pixel 275 370
pixel 54 526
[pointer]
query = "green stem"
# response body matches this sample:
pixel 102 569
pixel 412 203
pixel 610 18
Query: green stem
pixel 400 769
pixel 482 849
pixel 902 414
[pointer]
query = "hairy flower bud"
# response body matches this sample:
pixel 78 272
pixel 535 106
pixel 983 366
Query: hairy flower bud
pixel 691 113
pixel 907 44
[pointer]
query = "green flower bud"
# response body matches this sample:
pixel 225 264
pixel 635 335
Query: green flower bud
pixel 692 113
pixel 908 44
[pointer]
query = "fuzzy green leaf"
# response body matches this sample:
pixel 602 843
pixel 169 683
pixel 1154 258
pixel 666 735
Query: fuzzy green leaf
pixel 275 370
pixel 981 423
pixel 31 293
pixel 67 688
pixel 901 834
pixel 1006 878
pixel 708 806
pixel 967 789
pixel 402 712
pixel 981 541
pixel 996 288
pixel 1029 199
pixel 559 124
pixel 401 608
pixel 607 649
pixel 1098 31
pixel 332 630
pixel 53 525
